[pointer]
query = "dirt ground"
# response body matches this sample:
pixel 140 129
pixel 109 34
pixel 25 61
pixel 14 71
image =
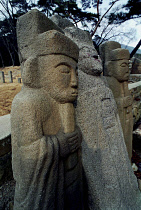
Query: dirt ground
pixel 9 90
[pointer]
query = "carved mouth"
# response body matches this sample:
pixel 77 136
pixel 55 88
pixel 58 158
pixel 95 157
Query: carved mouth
pixel 74 93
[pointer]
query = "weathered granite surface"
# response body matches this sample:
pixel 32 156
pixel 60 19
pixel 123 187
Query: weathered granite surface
pixel 109 178
pixel 60 22
pixel 111 182
pixel 46 142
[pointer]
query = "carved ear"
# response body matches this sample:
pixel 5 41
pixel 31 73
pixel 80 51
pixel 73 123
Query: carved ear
pixel 109 68
pixel 30 74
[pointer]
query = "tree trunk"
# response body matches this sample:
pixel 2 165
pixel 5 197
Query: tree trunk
pixel 135 49
pixel 2 60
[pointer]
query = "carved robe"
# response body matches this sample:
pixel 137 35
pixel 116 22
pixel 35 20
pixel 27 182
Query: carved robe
pixel 121 93
pixel 39 171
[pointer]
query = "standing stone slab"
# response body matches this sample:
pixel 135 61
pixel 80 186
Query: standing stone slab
pixel 109 178
pixel 111 182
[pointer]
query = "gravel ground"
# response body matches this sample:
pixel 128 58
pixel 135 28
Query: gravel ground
pixel 7 195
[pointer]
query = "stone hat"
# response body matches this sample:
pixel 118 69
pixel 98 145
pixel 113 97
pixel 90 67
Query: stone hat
pixel 105 49
pixel 119 54
pixel 51 42
pixel 38 35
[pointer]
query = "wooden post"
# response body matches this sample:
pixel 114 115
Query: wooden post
pixel 10 76
pixel 19 80
pixel 2 76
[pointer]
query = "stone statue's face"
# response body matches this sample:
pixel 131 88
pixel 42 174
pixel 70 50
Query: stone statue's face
pixel 89 61
pixel 121 70
pixel 59 77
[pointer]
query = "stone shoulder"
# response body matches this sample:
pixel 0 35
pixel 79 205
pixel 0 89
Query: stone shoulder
pixel 24 99
pixel 31 102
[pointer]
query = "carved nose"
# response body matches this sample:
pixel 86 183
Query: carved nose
pixel 74 82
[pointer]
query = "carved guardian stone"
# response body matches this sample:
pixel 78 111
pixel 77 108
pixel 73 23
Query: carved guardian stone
pixel 46 143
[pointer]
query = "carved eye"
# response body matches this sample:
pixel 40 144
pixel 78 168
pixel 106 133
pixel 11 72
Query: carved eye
pixel 65 69
pixel 124 65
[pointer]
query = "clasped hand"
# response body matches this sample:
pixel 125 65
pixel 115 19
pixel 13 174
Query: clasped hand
pixel 69 142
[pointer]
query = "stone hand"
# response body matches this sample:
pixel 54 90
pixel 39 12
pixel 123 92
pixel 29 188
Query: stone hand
pixel 128 100
pixel 69 142
pixel 75 140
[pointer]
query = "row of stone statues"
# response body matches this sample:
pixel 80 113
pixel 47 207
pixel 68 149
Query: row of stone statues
pixel 52 169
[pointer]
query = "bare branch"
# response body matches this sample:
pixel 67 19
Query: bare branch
pixel 115 35
pixel 72 18
pixel 98 10
pixel 103 31
pixel 98 23
pixel 6 8
pixel 3 14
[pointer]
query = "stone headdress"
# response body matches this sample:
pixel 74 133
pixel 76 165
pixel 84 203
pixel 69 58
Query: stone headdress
pixel 37 35
pixel 112 51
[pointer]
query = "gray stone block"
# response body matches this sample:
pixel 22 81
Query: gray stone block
pixel 61 22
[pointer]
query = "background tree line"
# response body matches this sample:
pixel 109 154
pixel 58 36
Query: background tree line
pixel 10 10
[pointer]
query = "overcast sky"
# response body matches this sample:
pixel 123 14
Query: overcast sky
pixel 131 26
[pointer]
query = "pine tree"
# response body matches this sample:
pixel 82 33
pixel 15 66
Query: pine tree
pixel 133 10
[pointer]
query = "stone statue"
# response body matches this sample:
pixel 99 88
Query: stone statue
pixel 117 71
pixel 109 179
pixel 46 143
